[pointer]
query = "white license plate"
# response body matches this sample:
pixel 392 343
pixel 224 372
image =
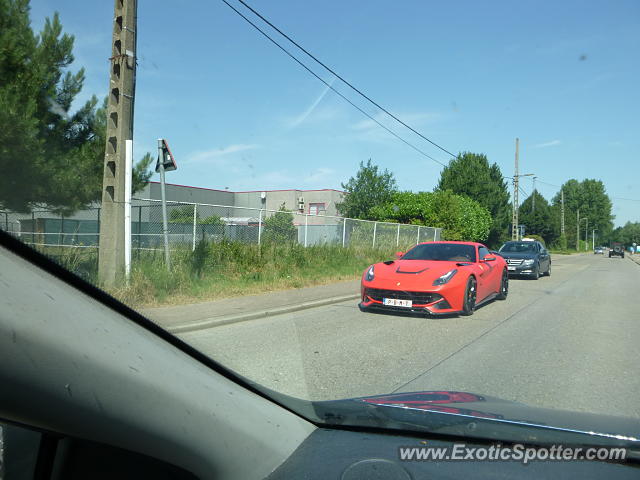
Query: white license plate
pixel 392 302
pixel 511 269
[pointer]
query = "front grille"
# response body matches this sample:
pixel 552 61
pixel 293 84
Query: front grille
pixel 420 298
pixel 514 261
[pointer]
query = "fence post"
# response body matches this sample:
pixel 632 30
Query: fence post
pixel 435 230
pixel 418 237
pixel 98 240
pixel 344 231
pixel 306 222
pixel 260 227
pixel 61 236
pixel 195 217
pixel 398 237
pixel 375 227
pixel 139 229
pixel 33 227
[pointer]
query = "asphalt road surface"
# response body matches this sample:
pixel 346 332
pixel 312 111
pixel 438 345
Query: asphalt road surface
pixel 569 341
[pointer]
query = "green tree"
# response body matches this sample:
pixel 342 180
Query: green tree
pixel 54 156
pixel 538 220
pixel 279 227
pixel 369 188
pixel 590 197
pixel 460 217
pixel 627 234
pixel 470 174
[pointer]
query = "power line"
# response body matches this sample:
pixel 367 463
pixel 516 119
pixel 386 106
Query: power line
pixel 337 75
pixel 299 62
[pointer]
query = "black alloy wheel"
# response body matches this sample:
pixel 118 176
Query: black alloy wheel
pixel 469 303
pixel 504 286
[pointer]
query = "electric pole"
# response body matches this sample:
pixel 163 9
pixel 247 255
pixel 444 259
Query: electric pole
pixel 533 196
pixel 122 82
pixel 561 211
pixel 515 228
pixel 514 218
pixel 578 230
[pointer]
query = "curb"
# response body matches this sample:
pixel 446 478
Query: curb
pixel 212 322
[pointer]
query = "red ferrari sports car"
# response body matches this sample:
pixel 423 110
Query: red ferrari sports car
pixel 436 278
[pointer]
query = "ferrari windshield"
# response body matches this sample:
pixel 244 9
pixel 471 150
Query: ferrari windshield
pixel 445 252
pixel 518 247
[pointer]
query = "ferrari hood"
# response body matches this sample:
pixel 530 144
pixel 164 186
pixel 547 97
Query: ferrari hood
pixel 428 269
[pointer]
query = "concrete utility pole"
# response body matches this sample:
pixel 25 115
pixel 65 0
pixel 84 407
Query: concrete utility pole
pixel 578 230
pixel 586 234
pixel 514 217
pixel 533 196
pixel 562 211
pixel 122 81
pixel 515 228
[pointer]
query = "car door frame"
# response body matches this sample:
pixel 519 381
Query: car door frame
pixel 487 274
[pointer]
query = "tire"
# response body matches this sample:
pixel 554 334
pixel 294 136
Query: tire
pixel 504 286
pixel 609 254
pixel 536 275
pixel 548 272
pixel 469 300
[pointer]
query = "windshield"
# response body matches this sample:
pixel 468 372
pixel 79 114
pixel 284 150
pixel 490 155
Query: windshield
pixel 447 252
pixel 253 200
pixel 524 247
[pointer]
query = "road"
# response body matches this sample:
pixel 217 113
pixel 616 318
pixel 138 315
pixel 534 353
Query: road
pixel 569 341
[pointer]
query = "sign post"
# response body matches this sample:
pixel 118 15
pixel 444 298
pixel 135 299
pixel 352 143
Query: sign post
pixel 165 163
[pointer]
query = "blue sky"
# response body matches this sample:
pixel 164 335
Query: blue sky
pixel 472 76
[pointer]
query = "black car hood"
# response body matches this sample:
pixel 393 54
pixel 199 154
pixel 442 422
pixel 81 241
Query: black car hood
pixel 463 414
pixel 518 255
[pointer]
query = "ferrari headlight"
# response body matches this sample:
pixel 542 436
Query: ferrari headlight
pixel 369 275
pixel 445 278
pixel 528 261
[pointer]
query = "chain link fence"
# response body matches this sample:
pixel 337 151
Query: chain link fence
pixel 190 222
pixel 187 223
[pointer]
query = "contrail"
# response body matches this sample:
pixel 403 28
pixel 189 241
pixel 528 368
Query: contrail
pixel 301 118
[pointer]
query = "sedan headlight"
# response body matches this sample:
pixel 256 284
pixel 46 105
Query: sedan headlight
pixel 445 278
pixel 529 261
pixel 369 276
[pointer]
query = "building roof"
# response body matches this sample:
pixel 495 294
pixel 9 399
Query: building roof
pixel 255 191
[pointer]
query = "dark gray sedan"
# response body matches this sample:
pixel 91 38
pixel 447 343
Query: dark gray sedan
pixel 527 258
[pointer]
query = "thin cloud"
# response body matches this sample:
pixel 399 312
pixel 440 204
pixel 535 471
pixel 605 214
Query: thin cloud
pixel 552 143
pixel 217 154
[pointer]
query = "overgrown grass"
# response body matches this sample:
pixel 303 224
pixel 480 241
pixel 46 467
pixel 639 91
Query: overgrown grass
pixel 227 269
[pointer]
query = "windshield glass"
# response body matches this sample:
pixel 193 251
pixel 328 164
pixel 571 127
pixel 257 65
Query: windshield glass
pixel 447 252
pixel 253 200
pixel 521 247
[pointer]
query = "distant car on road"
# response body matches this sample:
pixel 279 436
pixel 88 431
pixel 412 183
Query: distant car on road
pixel 616 249
pixel 527 258
pixel 598 251
pixel 436 278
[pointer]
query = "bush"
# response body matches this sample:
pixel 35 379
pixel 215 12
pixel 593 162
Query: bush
pixel 279 228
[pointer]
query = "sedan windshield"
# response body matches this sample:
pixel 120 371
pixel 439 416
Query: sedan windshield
pixel 446 252
pixel 518 247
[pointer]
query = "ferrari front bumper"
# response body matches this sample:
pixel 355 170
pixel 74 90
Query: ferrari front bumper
pixel 432 303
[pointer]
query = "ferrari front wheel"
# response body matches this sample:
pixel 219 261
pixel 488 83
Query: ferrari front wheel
pixel 469 301
pixel 504 286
